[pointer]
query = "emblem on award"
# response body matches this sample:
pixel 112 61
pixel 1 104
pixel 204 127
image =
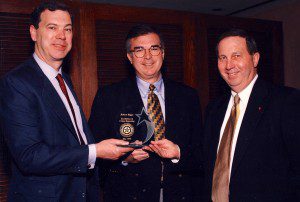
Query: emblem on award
pixel 126 130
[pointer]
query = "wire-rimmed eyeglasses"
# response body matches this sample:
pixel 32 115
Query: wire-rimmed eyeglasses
pixel 140 52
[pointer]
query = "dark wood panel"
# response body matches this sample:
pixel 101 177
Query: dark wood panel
pixel 15 41
pixel 15 47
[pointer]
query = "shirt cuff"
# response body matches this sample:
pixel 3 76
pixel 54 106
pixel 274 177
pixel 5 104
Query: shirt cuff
pixel 176 160
pixel 92 156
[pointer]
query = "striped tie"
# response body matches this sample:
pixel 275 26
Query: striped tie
pixel 155 114
pixel 220 186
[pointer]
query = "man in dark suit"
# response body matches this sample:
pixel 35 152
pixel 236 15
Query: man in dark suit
pixel 162 171
pixel 260 123
pixel 53 151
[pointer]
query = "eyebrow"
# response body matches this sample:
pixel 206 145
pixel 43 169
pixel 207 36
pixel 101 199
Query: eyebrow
pixel 138 47
pixel 57 24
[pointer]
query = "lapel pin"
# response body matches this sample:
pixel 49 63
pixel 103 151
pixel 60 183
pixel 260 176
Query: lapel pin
pixel 260 109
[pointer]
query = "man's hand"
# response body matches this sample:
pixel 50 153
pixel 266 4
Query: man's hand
pixel 137 155
pixel 108 149
pixel 165 149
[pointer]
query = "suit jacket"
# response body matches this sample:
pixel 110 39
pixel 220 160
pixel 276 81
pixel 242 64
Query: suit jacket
pixel 266 163
pixel 141 181
pixel 48 164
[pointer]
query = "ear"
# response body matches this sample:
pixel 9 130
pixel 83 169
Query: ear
pixel 32 32
pixel 163 54
pixel 255 58
pixel 129 56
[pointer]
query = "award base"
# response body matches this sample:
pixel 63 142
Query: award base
pixel 132 145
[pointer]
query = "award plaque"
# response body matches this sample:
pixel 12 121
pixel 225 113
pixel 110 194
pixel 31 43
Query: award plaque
pixel 129 128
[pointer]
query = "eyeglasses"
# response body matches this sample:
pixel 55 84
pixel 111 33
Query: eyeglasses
pixel 140 52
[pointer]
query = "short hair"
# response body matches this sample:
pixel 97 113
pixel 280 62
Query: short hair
pixel 250 41
pixel 47 5
pixel 140 30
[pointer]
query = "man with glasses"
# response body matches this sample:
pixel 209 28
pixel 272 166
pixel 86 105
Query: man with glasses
pixel 161 169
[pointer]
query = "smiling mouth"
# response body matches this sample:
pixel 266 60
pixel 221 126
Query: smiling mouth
pixel 232 74
pixel 148 64
pixel 59 46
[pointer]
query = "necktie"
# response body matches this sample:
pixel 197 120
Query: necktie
pixel 155 114
pixel 220 186
pixel 64 90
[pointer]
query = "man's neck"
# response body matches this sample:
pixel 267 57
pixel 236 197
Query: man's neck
pixel 54 64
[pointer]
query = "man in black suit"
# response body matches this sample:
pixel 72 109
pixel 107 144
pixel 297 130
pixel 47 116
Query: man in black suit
pixel 262 159
pixel 163 170
pixel 53 151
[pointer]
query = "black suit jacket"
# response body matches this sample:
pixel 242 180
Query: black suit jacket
pixel 141 181
pixel 266 163
pixel 48 164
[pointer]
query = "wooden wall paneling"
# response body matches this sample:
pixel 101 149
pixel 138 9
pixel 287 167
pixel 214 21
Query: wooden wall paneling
pixel 190 60
pixel 135 14
pixel 84 57
pixel 18 6
pixel 15 47
pixel 202 61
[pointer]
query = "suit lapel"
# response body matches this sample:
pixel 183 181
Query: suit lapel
pixel 257 102
pixel 52 99
pixel 216 123
pixel 87 132
pixel 134 94
pixel 170 109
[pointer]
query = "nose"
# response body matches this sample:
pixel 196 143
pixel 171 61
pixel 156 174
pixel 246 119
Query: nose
pixel 147 54
pixel 230 64
pixel 61 35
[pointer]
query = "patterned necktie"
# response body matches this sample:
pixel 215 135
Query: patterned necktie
pixel 155 114
pixel 220 186
pixel 64 90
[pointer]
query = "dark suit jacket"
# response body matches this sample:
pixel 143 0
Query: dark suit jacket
pixel 48 164
pixel 141 181
pixel 266 164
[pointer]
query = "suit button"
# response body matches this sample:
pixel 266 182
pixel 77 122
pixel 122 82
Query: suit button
pixel 183 198
pixel 180 175
pixel 144 190
pixel 39 191
pixel 136 174
pixel 135 198
pixel 83 195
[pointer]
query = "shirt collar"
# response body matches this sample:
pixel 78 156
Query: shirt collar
pixel 144 86
pixel 245 93
pixel 49 71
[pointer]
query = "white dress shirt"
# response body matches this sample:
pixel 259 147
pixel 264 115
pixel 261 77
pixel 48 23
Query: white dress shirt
pixel 51 74
pixel 244 97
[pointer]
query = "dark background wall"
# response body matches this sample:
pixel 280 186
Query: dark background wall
pixel 98 56
pixel 289 15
